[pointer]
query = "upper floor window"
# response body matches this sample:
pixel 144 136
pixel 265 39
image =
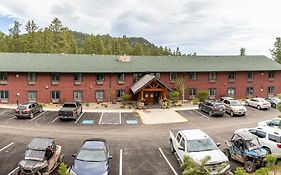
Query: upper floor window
pixel 212 76
pixel 250 76
pixel 3 76
pixel 120 78
pixel 31 77
pixel 192 76
pixel 173 76
pixel 99 77
pixel 78 77
pixel 270 89
pixel 271 75
pixel 55 78
pixel 231 76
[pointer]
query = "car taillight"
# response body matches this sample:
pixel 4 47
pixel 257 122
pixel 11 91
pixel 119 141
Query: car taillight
pixel 25 111
pixel 279 145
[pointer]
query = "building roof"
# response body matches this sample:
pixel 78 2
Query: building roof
pixel 69 63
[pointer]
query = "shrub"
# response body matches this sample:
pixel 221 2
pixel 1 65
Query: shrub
pixel 202 95
pixel 63 169
pixel 278 107
pixel 270 160
pixel 126 97
pixel 240 171
pixel 174 95
pixel 190 167
pixel 195 101
pixel 87 104
pixel 279 96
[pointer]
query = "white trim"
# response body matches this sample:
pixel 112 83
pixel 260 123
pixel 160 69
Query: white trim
pixel 38 115
pixel 79 117
pixel 100 118
pixel 120 162
pixel 6 146
pixel 201 114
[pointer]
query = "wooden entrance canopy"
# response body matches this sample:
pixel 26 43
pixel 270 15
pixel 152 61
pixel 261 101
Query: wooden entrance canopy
pixel 150 89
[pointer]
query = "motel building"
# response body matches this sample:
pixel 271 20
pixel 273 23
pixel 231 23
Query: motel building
pixel 58 78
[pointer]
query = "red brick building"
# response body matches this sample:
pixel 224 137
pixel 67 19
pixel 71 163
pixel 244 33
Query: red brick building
pixel 61 77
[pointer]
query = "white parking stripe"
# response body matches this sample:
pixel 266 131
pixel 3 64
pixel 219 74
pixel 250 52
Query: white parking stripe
pixel 120 163
pixel 119 118
pixel 55 119
pixel 12 172
pixel 201 114
pixel 79 117
pixel 100 118
pixel 172 168
pixel 6 146
pixel 12 118
pixel 5 111
pixel 38 116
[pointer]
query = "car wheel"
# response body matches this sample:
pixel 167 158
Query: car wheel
pixel 172 147
pixel 267 150
pixel 210 113
pixel 247 103
pixel 31 115
pixel 258 107
pixel 231 113
pixel 249 166
pixel 227 153
pixel 274 105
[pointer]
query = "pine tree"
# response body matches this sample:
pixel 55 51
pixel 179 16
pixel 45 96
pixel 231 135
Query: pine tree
pixel 30 40
pixel 3 43
pixel 16 44
pixel 242 51
pixel 138 49
pixel 276 51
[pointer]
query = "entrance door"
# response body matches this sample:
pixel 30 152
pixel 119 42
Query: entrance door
pixel 149 97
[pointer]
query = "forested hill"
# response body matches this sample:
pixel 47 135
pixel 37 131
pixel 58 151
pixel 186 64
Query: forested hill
pixel 57 38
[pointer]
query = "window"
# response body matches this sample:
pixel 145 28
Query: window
pixel 231 76
pixel 78 77
pixel 274 138
pixel 55 77
pixel 192 92
pixel 173 76
pixel 250 76
pixel 3 76
pixel 120 78
pixel 212 76
pixel 77 95
pixel 231 92
pixel 99 95
pixel 119 94
pixel 31 77
pixel 275 122
pixel 271 75
pixel 249 91
pixel 192 76
pixel 182 143
pixel 258 133
pixel 100 77
pixel 179 137
pixel 32 95
pixel 4 95
pixel 55 95
pixel 270 89
pixel 156 74
pixel 212 92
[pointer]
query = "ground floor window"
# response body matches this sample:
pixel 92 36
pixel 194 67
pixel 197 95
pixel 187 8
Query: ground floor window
pixel 231 92
pixel 192 92
pixel 270 90
pixel 32 95
pixel 119 94
pixel 212 92
pixel 249 91
pixel 77 95
pixel 55 96
pixel 4 96
pixel 100 95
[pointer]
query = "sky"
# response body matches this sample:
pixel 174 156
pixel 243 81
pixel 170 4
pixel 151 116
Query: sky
pixel 207 27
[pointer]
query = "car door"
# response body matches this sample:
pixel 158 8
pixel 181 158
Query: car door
pixel 177 145
pixel 182 144
pixel 53 160
pixel 261 136
pixel 252 102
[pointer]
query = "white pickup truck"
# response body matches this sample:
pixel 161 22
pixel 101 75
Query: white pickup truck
pixel 198 145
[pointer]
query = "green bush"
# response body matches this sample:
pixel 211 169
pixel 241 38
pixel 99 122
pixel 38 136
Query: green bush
pixel 174 95
pixel 126 97
pixel 270 160
pixel 240 171
pixel 190 167
pixel 202 95
pixel 195 101
pixel 278 107
pixel 63 169
pixel 87 104
pixel 279 96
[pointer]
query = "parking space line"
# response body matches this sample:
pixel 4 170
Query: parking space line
pixel 79 117
pixel 12 118
pixel 202 114
pixel 6 146
pixel 5 111
pixel 12 172
pixel 55 119
pixel 38 116
pixel 100 118
pixel 120 117
pixel 172 168
pixel 120 163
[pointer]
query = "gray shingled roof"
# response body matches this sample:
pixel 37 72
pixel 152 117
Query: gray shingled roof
pixel 69 63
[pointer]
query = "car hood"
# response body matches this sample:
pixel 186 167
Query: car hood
pixel 216 156
pixel 32 164
pixel 67 109
pixel 264 123
pixel 89 168
pixel 237 108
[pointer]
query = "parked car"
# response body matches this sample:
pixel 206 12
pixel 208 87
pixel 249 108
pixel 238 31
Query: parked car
pixel 276 123
pixel 41 157
pixel 233 107
pixel 70 110
pixel 274 101
pixel 269 138
pixel 212 107
pixel 92 158
pixel 259 103
pixel 27 110
pixel 244 147
pixel 198 145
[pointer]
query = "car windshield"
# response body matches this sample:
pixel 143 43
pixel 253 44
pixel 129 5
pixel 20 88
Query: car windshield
pixel 218 105
pixel 69 105
pixel 234 103
pixel 201 145
pixel 21 107
pixel 34 155
pixel 252 144
pixel 92 155
pixel 276 99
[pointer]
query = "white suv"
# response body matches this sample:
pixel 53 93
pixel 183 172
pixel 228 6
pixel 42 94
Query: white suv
pixel 269 138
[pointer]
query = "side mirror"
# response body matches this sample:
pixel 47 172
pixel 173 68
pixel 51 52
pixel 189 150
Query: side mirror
pixel 109 157
pixel 218 144
pixel 73 155
pixel 181 148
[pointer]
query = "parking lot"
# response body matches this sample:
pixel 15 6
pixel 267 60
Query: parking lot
pixel 136 148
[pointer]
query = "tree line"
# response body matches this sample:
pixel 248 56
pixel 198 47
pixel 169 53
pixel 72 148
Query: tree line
pixel 57 38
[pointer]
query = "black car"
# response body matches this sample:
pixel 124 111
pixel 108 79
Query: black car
pixel 92 158
pixel 212 107
pixel 274 101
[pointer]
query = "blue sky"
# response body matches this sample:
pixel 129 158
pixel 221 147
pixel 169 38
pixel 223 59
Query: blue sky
pixel 208 27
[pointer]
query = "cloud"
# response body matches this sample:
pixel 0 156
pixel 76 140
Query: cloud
pixel 202 26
